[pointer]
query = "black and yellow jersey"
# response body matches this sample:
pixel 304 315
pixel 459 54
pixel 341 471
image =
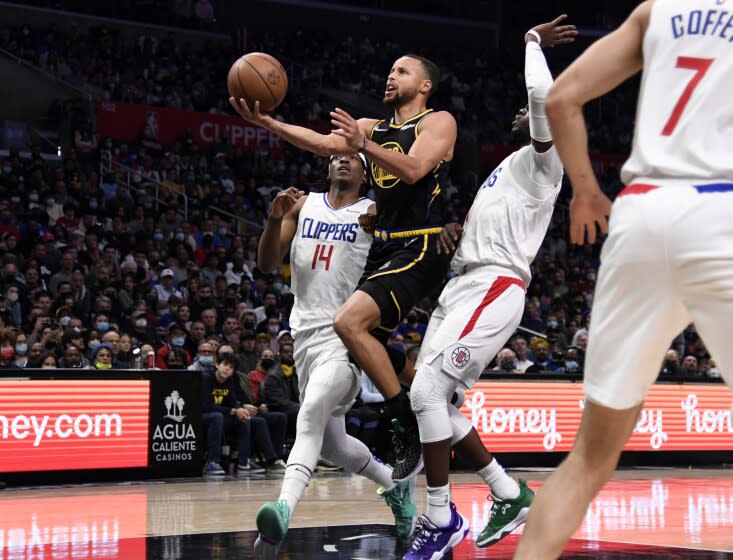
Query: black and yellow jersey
pixel 401 206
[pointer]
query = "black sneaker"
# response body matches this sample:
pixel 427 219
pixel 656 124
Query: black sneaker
pixel 408 452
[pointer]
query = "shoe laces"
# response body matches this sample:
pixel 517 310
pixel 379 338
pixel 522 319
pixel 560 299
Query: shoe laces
pixel 394 497
pixel 497 506
pixel 422 532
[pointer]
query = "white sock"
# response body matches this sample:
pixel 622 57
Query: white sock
pixel 377 472
pixel 438 505
pixel 296 479
pixel 502 485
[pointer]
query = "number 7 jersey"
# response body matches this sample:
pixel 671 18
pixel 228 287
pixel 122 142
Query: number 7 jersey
pixel 684 120
pixel 327 258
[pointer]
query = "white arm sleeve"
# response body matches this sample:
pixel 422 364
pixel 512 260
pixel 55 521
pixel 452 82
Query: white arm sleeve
pixel 538 80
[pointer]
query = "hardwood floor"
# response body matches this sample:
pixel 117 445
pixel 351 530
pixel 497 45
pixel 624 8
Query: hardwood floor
pixel 640 514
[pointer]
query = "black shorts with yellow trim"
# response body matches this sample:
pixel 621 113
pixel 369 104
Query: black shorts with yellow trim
pixel 398 274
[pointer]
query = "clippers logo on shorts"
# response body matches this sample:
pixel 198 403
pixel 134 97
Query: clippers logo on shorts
pixel 383 178
pixel 460 356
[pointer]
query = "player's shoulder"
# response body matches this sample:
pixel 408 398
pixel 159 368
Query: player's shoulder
pixel 642 13
pixel 367 124
pixel 364 202
pixel 437 118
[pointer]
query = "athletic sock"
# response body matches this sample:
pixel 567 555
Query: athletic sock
pixel 438 505
pixel 377 472
pixel 502 485
pixel 294 483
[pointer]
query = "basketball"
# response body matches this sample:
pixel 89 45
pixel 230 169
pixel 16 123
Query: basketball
pixel 258 77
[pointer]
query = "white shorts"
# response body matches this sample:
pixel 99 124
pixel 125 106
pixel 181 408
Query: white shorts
pixel 476 314
pixel 321 357
pixel 668 260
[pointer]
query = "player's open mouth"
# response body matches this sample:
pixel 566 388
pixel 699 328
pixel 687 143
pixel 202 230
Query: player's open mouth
pixel 343 168
pixel 390 88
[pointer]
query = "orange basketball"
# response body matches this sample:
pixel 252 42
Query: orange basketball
pixel 258 77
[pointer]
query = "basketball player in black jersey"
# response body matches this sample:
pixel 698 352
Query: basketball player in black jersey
pixel 403 266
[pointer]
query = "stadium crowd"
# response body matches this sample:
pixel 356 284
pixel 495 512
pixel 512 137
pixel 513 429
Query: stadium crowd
pixel 98 275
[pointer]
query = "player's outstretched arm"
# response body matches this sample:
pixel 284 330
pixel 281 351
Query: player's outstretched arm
pixel 537 76
pixel 282 223
pixel 602 67
pixel 299 136
pixel 433 145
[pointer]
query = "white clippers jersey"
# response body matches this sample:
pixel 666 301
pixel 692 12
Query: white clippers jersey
pixel 511 213
pixel 327 258
pixel 684 120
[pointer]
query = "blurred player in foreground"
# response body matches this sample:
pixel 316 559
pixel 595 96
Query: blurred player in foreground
pixel 668 258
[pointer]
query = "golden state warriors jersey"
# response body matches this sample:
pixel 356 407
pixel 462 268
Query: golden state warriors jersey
pixel 401 206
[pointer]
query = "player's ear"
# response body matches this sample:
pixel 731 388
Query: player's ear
pixel 426 86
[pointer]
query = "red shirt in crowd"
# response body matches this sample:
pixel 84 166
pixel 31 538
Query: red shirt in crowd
pixel 256 377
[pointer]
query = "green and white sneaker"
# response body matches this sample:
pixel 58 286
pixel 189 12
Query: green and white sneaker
pixel 272 523
pixel 399 499
pixel 506 515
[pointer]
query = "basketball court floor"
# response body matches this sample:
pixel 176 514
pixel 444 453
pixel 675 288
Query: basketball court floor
pixel 640 514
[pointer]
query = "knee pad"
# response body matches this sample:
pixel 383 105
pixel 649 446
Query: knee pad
pixel 460 425
pixel 426 395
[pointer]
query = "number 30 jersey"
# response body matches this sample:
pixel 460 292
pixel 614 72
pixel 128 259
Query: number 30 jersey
pixel 327 258
pixel 684 120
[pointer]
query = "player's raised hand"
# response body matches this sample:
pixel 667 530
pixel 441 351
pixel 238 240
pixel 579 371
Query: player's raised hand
pixel 588 211
pixel 449 238
pixel 553 33
pixel 284 201
pixel 251 114
pixel 346 126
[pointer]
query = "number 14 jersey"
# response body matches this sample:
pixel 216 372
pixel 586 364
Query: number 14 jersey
pixel 684 119
pixel 327 258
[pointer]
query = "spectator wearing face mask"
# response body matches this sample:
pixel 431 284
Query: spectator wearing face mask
pixel 248 319
pixel 279 390
pixel 713 371
pixel 573 360
pixel 142 330
pixel 506 361
pixel 204 360
pixel 259 373
pixel 21 349
pixel 176 342
pixel 7 349
pixel 411 329
pixel 12 305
